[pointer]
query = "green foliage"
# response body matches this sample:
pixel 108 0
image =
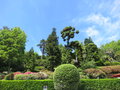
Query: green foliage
pixel 10 76
pixel 26 84
pixel 34 76
pixel 42 46
pixel 85 84
pixel 67 33
pixel 115 63
pixel 88 41
pixel 77 50
pixel 88 64
pixel 52 50
pixel 38 68
pixel 99 84
pixel 112 50
pixel 107 63
pixel 66 54
pixel 12 46
pixel 30 60
pixel 2 76
pixel 51 76
pixel 66 77
pixel 92 52
pixel 21 77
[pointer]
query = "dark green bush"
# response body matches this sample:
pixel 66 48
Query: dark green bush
pixel 9 76
pixel 66 77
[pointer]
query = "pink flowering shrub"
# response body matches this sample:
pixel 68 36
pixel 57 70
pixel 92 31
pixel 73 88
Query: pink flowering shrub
pixel 30 76
pixel 16 73
pixel 28 73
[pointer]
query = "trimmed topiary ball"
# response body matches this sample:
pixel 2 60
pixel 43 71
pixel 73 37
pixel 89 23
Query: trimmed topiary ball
pixel 66 77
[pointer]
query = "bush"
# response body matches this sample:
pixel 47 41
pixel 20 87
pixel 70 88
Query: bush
pixel 111 69
pixel 115 63
pixel 38 68
pixel 9 76
pixel 2 76
pixel 89 64
pixel 66 77
pixel 107 63
pixel 51 76
pixel 95 73
pixel 32 76
pixel 25 84
pixel 21 77
pixel 85 84
pixel 83 75
pixel 99 84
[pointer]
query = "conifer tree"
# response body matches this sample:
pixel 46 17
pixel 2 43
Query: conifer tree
pixel 67 33
pixel 52 50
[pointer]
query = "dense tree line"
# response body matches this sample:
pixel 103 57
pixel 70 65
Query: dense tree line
pixel 13 56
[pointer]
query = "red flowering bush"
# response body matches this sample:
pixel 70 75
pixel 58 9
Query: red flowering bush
pixel 116 75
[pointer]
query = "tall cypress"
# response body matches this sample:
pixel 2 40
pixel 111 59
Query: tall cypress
pixel 52 50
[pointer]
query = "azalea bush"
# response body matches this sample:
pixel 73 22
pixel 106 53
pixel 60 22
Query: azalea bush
pixel 111 69
pixel 95 73
pixel 30 76
pixel 115 75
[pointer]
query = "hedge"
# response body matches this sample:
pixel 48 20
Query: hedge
pixel 85 84
pixel 26 84
pixel 99 84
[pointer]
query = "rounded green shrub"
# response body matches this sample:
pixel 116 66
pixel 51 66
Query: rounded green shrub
pixel 66 77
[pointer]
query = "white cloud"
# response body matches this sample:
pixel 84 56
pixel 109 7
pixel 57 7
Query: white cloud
pixel 110 28
pixel 115 10
pixel 91 31
pixel 98 19
pixel 106 23
pixel 113 38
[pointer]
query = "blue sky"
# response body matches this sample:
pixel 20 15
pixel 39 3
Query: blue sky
pixel 99 19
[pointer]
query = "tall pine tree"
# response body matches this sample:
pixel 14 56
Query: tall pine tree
pixel 52 50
